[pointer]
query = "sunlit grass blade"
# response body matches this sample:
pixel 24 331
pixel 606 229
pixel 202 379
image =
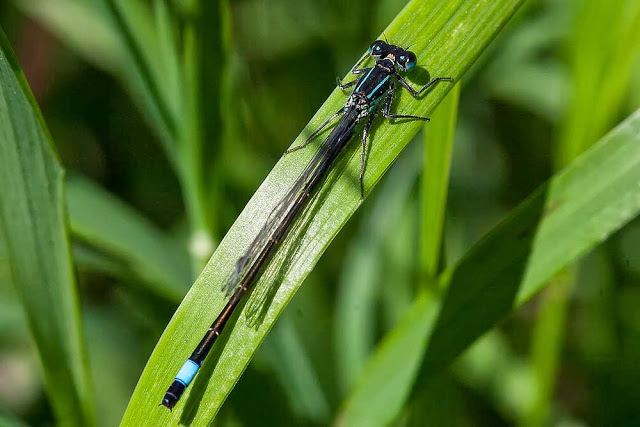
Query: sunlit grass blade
pixel 169 56
pixel 447 36
pixel 32 214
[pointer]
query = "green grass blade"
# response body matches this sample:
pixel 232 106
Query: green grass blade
pixel 90 36
pixel 141 44
pixel 435 182
pixel 107 224
pixel 601 66
pixel 33 216
pixel 169 56
pixel 547 344
pixel 607 42
pixel 359 285
pixel 447 36
pixel 101 32
pixel 385 382
pixel 10 420
pixel 578 209
pixel 205 62
pixel 289 359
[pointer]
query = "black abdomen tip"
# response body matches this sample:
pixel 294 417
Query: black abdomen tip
pixel 173 394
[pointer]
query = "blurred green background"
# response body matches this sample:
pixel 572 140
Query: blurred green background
pixel 559 76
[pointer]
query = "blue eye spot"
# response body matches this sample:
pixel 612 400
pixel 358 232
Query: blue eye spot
pixel 377 47
pixel 402 57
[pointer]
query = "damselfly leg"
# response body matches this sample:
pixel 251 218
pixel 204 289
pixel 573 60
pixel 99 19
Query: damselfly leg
pixel 386 111
pixel 315 132
pixel 363 162
pixel 417 93
pixel 355 70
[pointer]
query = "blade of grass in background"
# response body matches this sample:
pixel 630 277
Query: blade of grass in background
pixel 139 45
pixel 205 61
pixel 289 359
pixel 448 36
pixel 492 368
pixel 168 56
pixel 90 35
pixel 359 285
pixel 127 237
pixel 435 183
pixel 606 43
pixel 9 420
pixel 133 25
pixel 34 221
pixel 438 142
pixel 578 209
pixel 399 272
pixel 384 384
pixel 176 114
pixel 101 34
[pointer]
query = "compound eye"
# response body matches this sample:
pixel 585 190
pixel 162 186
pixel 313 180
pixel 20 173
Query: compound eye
pixel 410 60
pixel 377 49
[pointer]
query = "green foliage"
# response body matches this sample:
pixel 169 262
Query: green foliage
pixel 127 237
pixel 513 262
pixel 435 183
pixel 32 211
pixel 431 264
pixel 339 201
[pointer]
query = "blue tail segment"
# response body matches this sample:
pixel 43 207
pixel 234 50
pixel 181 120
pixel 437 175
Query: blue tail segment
pixel 187 372
pixel 180 383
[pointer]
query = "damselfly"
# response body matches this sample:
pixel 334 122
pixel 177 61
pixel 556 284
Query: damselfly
pixel 365 102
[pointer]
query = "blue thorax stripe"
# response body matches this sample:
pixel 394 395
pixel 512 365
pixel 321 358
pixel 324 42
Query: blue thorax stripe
pixel 377 87
pixel 365 79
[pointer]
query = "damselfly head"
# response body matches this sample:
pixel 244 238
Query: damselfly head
pixel 404 59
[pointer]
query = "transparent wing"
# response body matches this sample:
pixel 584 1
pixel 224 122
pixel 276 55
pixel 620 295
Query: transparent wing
pixel 280 219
